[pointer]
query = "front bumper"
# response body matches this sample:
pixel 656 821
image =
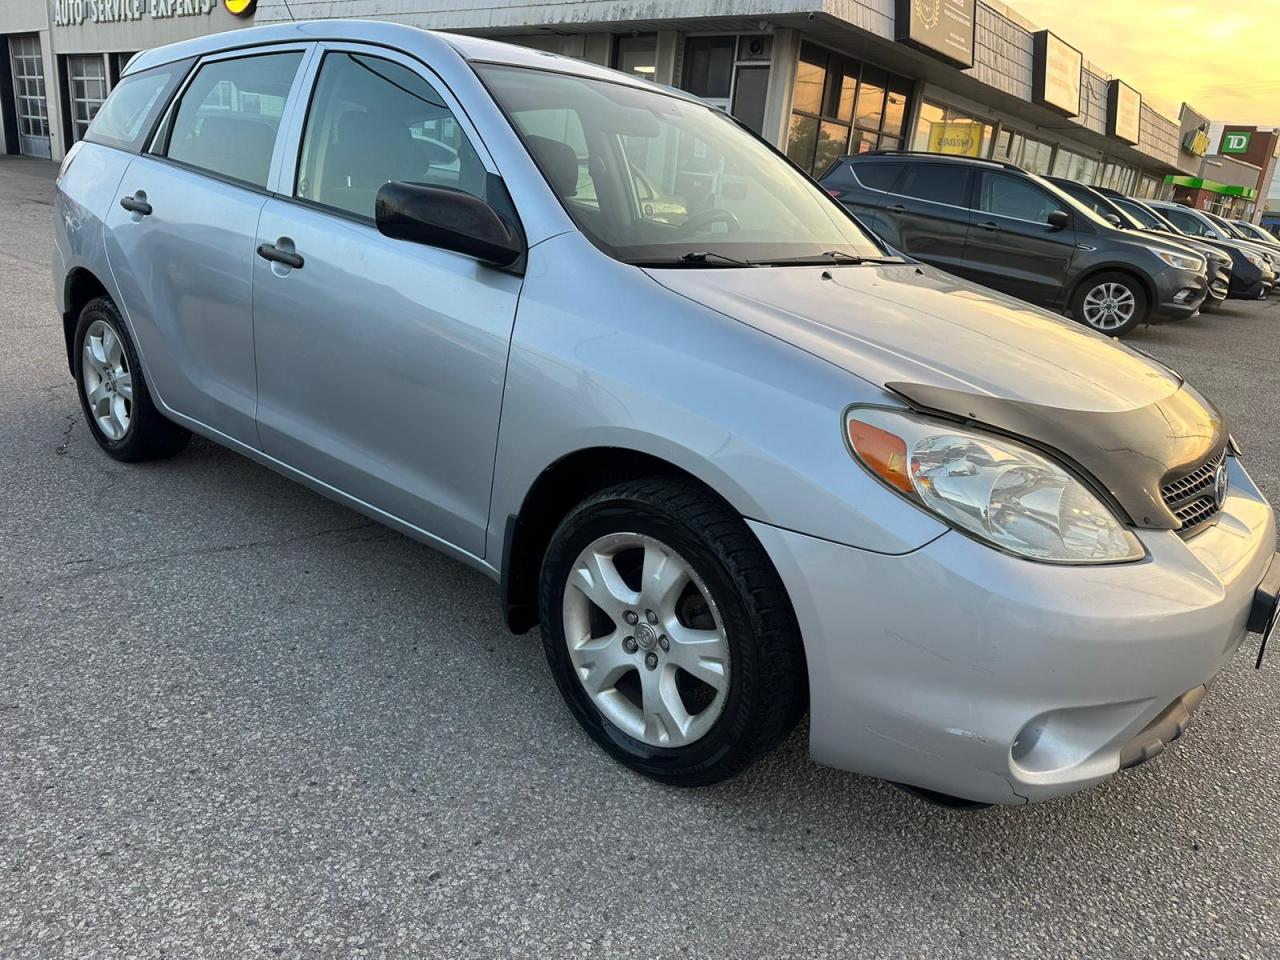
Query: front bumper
pixel 972 673
pixel 1178 293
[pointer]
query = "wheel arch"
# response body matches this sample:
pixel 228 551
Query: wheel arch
pixel 79 287
pixel 560 487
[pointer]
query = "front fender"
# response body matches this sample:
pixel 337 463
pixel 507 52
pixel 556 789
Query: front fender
pixel 604 356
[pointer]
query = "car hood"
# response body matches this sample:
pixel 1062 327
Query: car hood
pixel 949 346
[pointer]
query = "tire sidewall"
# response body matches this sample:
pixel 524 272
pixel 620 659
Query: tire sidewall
pixel 1141 308
pixel 728 734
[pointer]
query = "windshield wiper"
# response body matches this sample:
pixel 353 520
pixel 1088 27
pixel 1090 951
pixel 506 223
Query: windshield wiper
pixel 710 256
pixel 827 256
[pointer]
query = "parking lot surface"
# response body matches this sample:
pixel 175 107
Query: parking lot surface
pixel 237 720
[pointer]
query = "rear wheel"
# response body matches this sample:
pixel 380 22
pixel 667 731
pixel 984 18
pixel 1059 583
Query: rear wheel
pixel 113 391
pixel 1111 303
pixel 669 633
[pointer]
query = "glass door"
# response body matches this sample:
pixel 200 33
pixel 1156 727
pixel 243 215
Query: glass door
pixel 28 94
pixel 87 89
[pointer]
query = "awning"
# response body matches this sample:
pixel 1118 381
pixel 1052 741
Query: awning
pixel 1200 183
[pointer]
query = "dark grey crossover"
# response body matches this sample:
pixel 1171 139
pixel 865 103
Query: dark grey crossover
pixel 998 225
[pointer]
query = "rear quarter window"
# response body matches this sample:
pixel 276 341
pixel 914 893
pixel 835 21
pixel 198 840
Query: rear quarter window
pixel 129 113
pixel 877 176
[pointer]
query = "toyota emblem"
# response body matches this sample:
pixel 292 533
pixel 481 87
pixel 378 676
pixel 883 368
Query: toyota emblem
pixel 1220 485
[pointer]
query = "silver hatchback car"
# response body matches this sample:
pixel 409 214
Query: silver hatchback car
pixel 736 458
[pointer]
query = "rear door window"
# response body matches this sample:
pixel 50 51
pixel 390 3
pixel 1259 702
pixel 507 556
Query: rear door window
pixel 937 183
pixel 879 175
pixel 227 120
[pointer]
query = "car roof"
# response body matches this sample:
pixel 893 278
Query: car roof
pixel 426 44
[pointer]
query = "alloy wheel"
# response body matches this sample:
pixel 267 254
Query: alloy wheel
pixel 107 381
pixel 646 640
pixel 1109 306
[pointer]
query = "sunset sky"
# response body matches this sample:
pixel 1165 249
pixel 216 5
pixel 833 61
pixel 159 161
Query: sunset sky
pixel 1223 58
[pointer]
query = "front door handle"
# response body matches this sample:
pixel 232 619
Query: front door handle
pixel 898 208
pixel 269 251
pixel 137 204
pixel 989 226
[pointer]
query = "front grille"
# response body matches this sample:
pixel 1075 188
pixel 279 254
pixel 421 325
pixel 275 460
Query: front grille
pixel 1191 497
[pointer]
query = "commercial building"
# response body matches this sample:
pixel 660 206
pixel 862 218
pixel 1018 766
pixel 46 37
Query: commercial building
pixel 1232 166
pixel 818 78
pixel 60 58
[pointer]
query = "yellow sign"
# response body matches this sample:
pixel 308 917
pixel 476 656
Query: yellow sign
pixel 962 138
pixel 240 8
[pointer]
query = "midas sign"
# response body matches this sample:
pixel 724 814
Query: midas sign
pixel 961 138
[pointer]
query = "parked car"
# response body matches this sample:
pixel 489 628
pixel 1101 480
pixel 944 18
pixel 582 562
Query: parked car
pixel 1219 262
pixel 1257 282
pixel 998 225
pixel 1271 249
pixel 1253 232
pixel 1250 270
pixel 735 468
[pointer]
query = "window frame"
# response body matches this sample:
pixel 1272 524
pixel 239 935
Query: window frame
pixel 158 142
pixel 290 139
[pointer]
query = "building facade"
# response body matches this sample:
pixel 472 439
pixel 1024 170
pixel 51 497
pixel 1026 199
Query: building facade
pixel 60 58
pixel 818 78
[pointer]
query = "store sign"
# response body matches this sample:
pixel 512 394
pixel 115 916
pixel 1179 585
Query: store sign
pixel 1237 141
pixel 941 28
pixel 1124 112
pixel 1196 142
pixel 961 138
pixel 1055 79
pixel 72 13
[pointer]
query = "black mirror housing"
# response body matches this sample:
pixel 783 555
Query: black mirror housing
pixel 1059 219
pixel 449 219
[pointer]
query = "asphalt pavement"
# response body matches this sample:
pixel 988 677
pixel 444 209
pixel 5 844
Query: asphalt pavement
pixel 237 721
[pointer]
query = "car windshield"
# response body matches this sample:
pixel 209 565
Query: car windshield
pixel 1227 228
pixel 657 179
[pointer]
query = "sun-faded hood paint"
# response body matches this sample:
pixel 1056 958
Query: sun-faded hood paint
pixel 948 346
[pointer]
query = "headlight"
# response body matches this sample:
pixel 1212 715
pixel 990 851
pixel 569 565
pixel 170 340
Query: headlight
pixel 1256 259
pixel 993 489
pixel 1179 260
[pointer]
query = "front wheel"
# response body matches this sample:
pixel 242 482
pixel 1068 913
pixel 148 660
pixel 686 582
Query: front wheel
pixel 1111 303
pixel 669 633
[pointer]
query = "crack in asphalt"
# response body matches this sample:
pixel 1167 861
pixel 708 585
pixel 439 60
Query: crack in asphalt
pixel 234 547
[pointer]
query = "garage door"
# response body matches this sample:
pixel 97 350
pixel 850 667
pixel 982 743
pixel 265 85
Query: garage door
pixel 28 93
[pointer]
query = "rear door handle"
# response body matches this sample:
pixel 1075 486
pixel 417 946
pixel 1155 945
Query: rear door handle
pixel 269 251
pixel 137 204
pixel 898 208
pixel 989 226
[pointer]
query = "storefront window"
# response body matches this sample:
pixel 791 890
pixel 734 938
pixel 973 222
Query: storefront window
pixel 841 106
pixel 1075 166
pixel 732 73
pixel 1149 187
pixel 1118 176
pixel 1027 152
pixel 943 129
pixel 637 56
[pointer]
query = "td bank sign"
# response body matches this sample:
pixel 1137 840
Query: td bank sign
pixel 1236 141
pixel 72 13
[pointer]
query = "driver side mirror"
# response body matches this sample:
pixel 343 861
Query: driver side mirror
pixel 449 219
pixel 1059 219
pixel 1112 219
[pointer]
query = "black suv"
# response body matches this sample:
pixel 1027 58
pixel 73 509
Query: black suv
pixel 998 225
pixel 1110 211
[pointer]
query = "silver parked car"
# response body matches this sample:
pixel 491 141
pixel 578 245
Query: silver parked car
pixel 734 457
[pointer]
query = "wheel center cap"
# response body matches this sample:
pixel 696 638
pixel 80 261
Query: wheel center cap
pixel 646 637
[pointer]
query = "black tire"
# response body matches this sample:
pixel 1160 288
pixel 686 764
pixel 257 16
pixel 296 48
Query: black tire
pixel 1142 305
pixel 767 691
pixel 149 436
